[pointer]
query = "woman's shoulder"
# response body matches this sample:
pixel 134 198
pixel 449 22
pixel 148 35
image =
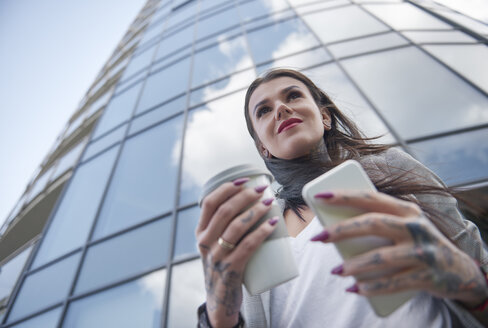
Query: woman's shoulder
pixel 394 161
pixel 391 157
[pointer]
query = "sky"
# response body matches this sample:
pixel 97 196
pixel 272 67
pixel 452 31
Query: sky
pixel 50 53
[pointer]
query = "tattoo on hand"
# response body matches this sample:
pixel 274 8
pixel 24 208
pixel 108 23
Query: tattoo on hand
pixel 228 294
pixel 445 267
pixel 391 224
pixel 422 242
pixel 447 254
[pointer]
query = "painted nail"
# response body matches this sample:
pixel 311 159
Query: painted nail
pixel 268 201
pixel 338 269
pixel 240 181
pixel 260 189
pixel 324 235
pixel 324 195
pixel 273 221
pixel 353 289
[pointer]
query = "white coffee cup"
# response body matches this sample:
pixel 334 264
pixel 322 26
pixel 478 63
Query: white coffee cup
pixel 273 262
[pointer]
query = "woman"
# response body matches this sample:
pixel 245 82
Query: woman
pixel 300 134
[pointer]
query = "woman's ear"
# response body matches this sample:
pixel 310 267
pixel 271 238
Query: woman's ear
pixel 264 152
pixel 326 120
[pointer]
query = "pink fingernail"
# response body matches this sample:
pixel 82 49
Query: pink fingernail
pixel 338 269
pixel 240 181
pixel 268 201
pixel 324 235
pixel 324 195
pixel 273 221
pixel 260 189
pixel 353 289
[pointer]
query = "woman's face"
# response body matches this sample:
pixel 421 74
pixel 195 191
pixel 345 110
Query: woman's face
pixel 287 121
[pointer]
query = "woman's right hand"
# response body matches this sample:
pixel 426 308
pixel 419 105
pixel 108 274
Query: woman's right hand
pixel 221 217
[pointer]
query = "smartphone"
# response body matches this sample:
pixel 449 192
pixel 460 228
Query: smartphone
pixel 350 175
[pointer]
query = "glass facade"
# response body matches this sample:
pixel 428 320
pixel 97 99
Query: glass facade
pixel 166 113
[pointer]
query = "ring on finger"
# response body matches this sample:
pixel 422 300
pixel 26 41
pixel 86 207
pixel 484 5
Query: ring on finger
pixel 225 244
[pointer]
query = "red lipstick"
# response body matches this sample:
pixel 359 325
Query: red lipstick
pixel 288 124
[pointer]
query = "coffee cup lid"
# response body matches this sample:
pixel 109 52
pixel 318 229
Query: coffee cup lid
pixel 230 174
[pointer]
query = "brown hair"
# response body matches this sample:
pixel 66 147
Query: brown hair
pixel 344 141
pixel 343 135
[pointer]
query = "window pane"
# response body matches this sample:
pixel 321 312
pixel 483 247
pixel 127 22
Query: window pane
pixel 469 60
pixel 10 272
pixel 406 16
pixel 468 22
pixel 40 184
pixel 161 12
pixel 165 84
pixel 76 124
pixel 153 31
pixel 336 24
pixel 438 36
pixel 220 60
pixel 314 6
pixel 262 22
pixel 144 180
pixel 186 224
pixel 298 61
pixel 222 87
pixel 420 96
pixel 118 110
pixel 101 101
pixel 205 144
pixel 187 294
pixel 469 8
pixel 138 62
pixel 458 158
pixel 134 304
pixel 367 44
pixel 222 21
pixel 252 9
pixel 385 1
pixel 337 85
pixel 143 249
pixel 185 14
pixel 45 320
pixel 45 288
pixel 206 4
pixel 73 219
pixel 68 160
pixel 156 115
pixel 281 39
pixel 175 42
pixel 105 142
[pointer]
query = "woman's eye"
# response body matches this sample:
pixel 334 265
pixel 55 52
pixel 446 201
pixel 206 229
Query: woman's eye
pixel 294 95
pixel 262 111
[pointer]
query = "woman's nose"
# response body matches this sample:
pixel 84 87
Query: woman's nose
pixel 282 111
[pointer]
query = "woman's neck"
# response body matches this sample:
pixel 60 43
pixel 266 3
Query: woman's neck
pixel 294 224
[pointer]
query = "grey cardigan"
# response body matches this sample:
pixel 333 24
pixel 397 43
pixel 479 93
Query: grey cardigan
pixel 463 233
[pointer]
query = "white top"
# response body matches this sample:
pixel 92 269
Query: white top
pixel 316 298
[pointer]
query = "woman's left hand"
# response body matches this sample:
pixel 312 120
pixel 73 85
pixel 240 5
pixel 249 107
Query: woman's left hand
pixel 421 256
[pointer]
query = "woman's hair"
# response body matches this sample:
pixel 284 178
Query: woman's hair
pixel 344 141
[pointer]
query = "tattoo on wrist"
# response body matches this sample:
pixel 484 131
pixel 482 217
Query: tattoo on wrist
pixel 227 295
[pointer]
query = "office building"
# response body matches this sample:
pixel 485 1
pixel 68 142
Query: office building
pixel 104 234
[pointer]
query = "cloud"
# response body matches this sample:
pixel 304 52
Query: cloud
pixel 153 284
pixel 217 139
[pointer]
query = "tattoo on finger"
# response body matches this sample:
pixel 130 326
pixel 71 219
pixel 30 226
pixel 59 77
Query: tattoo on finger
pixel 248 217
pixel 391 224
